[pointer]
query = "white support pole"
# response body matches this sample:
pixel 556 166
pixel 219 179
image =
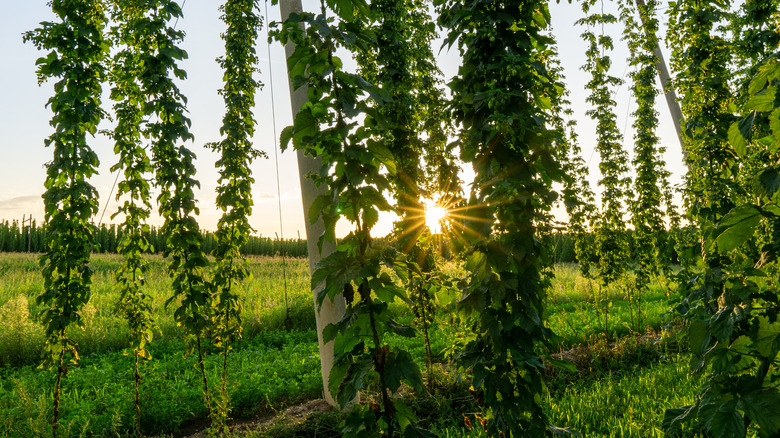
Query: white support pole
pixel 331 311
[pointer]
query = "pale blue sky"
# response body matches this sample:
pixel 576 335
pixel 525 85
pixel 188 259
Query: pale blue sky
pixel 24 118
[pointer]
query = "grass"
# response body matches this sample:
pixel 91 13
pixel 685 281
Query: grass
pixel 104 331
pixel 630 403
pixel 576 316
pixel 272 369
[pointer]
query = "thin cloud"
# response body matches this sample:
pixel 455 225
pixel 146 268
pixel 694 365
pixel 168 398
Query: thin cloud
pixel 22 202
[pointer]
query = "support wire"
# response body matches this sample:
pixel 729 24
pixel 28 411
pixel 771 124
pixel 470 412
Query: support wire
pixel 287 319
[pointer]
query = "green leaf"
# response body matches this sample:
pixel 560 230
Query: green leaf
pixel 738 226
pixel 540 20
pixel 404 330
pixel 769 180
pixel 383 154
pixel 740 133
pixel 720 416
pixel 767 339
pixel 285 137
pixel 763 407
pixel 774 123
pixel 563 364
pixel 316 207
pixel 758 81
pixel 477 263
pixel 722 324
pixel 403 414
pixel 353 381
pixel 746 126
pixel 386 290
pixel 762 101
pixel 305 126
pixel 335 271
pixel 699 336
pixel 400 366
pixel 370 217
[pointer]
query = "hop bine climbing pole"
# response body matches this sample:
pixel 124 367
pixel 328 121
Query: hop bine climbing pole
pixel 174 175
pixel 332 309
pixel 234 194
pixel 502 112
pixel 77 48
pixel 651 177
pixel 135 166
pixel 338 124
pixel 609 226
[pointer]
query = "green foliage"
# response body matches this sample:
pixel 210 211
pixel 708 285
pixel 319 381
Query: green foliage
pixel 731 307
pixel 611 247
pixel 700 60
pixel 740 342
pixel 651 176
pixel 753 36
pixel 271 369
pixel 357 167
pixel 500 97
pixel 411 126
pixel 134 303
pixel 234 194
pixel 576 195
pixel 77 49
pixel 167 129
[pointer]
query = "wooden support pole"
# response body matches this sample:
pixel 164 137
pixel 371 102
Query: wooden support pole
pixel 331 311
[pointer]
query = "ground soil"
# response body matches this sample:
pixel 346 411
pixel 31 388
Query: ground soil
pixel 294 414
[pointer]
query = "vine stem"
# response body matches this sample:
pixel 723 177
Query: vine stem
pixel 57 388
pixel 225 351
pixel 428 352
pixel 630 296
pixel 380 367
pixel 203 373
pixel 137 397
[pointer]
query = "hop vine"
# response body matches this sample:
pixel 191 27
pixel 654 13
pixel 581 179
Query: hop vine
pixel 502 111
pixel 77 49
pixel 354 163
pixel 609 227
pixel 134 188
pixel 234 194
pixel 412 127
pixel 174 174
pixel 651 177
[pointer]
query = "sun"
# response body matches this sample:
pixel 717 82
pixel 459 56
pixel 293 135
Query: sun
pixel 434 214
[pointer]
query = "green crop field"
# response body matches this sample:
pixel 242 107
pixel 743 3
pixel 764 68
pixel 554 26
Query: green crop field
pixel 625 379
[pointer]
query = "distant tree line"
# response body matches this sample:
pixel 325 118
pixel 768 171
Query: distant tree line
pixel 15 238
pixel 31 238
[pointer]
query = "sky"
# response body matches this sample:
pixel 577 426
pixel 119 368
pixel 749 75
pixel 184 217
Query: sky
pixel 24 118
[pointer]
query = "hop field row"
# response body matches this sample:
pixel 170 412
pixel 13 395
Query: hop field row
pixel 274 368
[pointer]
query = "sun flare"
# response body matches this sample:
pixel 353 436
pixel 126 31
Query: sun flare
pixel 434 214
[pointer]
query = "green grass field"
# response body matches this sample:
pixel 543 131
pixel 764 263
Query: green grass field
pixel 622 389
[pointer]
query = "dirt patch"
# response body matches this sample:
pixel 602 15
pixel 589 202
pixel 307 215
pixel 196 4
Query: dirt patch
pixel 290 416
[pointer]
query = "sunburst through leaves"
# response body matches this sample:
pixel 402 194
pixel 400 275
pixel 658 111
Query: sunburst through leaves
pixel 434 215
